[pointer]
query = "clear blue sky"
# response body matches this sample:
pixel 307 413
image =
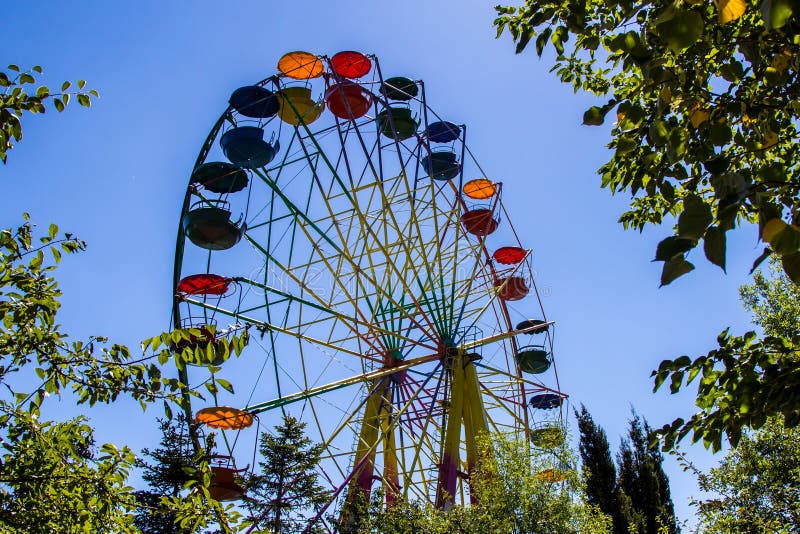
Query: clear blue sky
pixel 115 175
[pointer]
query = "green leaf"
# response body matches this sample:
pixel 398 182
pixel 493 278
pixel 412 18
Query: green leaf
pixel 714 246
pixel 720 134
pixel 791 265
pixel 65 86
pixel 677 380
pixel 558 39
pixel 693 371
pixel 695 218
pixel 524 39
pixel 594 116
pixel 81 84
pixel 674 268
pixel 660 377
pixel 224 384
pixel 625 144
pixel 681 30
pixel 13 67
pixel 776 13
pixel 83 100
pixel 541 40
pixel 658 133
pixel 42 92
pixel 717 164
pixel 786 241
pixel 59 105
pixel 732 71
pixel 672 246
pixel 764 255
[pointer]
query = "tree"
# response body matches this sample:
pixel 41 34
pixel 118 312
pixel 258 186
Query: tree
pixel 642 483
pixel 774 302
pixel 16 101
pixel 39 360
pixel 36 351
pixel 173 464
pixel 287 486
pixel 512 495
pixel 758 482
pixel 598 469
pixel 705 95
pixel 636 493
pixel 758 378
pixel 758 485
pixel 55 480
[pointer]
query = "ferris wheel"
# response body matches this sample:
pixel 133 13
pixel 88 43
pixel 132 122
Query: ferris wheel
pixel 392 306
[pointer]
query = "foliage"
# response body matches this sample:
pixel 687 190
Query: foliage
pixel 706 100
pixel 706 103
pixel 746 380
pixel 638 498
pixel 30 336
pixel 39 361
pixel 774 302
pixel 55 481
pixel 181 479
pixel 16 100
pixel 510 497
pixel 286 488
pixel 599 472
pixel 642 483
pixel 173 463
pixel 742 383
pixel 758 484
pixel 92 370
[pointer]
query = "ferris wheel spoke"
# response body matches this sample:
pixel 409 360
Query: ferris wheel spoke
pixel 341 254
pixel 422 444
pixel 381 246
pixel 369 437
pixel 513 377
pixel 276 328
pixel 363 378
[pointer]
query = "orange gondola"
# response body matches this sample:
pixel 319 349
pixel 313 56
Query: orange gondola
pixel 224 418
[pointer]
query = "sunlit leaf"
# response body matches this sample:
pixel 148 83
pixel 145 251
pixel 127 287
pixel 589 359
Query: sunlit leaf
pixel 730 9
pixel 776 13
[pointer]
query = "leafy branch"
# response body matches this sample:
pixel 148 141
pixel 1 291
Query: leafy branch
pixel 19 97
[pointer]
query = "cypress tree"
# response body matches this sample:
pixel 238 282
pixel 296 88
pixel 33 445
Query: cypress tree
pixel 598 468
pixel 643 482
